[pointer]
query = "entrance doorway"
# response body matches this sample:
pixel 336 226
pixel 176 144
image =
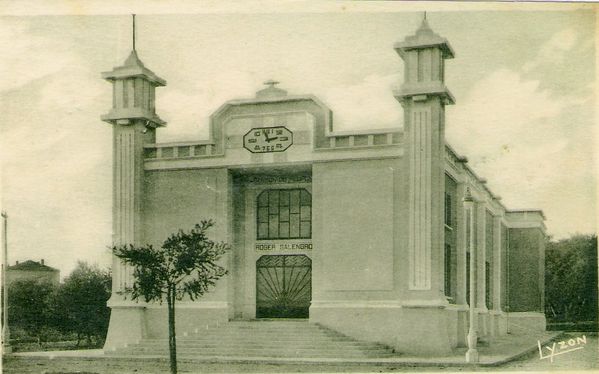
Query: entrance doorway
pixel 283 286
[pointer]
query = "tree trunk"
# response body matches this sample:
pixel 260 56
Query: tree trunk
pixel 172 340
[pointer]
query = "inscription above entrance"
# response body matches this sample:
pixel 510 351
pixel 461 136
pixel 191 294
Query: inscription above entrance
pixel 268 139
pixel 283 246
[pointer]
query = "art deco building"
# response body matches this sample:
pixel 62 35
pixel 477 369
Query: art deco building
pixel 365 232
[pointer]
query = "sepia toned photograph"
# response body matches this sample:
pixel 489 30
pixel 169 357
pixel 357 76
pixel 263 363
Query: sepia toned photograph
pixel 299 187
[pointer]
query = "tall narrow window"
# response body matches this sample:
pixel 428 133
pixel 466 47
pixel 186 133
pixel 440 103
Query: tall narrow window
pixel 468 278
pixel 488 301
pixel 489 251
pixel 126 93
pixel 448 209
pixel 284 214
pixel 448 270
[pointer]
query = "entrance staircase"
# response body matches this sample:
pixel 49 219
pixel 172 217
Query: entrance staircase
pixel 284 339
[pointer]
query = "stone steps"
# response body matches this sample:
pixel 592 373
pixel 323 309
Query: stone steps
pixel 272 338
pixel 257 352
pixel 275 344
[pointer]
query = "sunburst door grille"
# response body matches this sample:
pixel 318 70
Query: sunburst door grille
pixel 283 286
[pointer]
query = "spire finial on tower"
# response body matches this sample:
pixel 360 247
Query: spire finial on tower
pixel 133 59
pixel 133 31
pixel 424 27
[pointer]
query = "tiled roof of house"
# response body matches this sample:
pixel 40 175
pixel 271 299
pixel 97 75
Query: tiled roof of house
pixel 30 265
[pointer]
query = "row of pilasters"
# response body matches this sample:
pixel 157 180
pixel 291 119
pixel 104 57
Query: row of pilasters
pixel 487 319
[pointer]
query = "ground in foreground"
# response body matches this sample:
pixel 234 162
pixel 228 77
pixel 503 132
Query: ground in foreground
pixel 582 359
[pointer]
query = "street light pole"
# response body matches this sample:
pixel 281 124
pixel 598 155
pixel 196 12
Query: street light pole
pixel 6 348
pixel 472 353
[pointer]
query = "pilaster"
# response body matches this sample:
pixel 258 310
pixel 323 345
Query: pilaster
pixel 425 134
pixel 497 264
pixel 472 337
pixel 128 140
pixel 495 315
pixel 461 248
pixel 480 249
pixel 461 276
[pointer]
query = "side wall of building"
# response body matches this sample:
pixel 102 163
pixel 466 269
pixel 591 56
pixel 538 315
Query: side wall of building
pixel 526 278
pixel 526 270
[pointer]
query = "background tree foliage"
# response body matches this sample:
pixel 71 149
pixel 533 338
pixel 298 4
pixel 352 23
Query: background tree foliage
pixel 81 302
pixel 77 307
pixel 571 279
pixel 185 265
pixel 31 307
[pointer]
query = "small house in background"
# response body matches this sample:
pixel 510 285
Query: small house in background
pixel 32 270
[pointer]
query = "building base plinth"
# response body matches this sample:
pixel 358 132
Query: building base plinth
pixel 130 322
pixel 472 356
pixel 458 313
pixel 524 322
pixel 483 323
pixel 189 317
pixel 411 330
pixel 127 326
pixel 497 328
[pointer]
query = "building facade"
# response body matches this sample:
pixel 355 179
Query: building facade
pixel 363 232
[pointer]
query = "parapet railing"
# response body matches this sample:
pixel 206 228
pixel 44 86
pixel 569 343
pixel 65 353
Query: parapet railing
pixel 179 150
pixel 370 138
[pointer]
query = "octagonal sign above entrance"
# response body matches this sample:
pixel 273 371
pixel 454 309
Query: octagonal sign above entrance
pixel 268 139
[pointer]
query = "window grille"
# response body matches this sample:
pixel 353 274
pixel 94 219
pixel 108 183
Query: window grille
pixel 284 214
pixel 448 210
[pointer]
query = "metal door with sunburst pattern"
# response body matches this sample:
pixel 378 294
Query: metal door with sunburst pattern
pixel 283 286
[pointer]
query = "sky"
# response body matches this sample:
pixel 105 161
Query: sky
pixel 524 84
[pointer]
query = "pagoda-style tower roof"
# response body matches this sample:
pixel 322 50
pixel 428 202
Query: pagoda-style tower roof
pixel 424 37
pixel 133 67
pixel 424 55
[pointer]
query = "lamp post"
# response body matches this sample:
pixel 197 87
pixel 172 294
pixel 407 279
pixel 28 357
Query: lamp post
pixel 472 353
pixel 6 348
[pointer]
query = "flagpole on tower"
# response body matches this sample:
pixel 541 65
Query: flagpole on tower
pixel 133 31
